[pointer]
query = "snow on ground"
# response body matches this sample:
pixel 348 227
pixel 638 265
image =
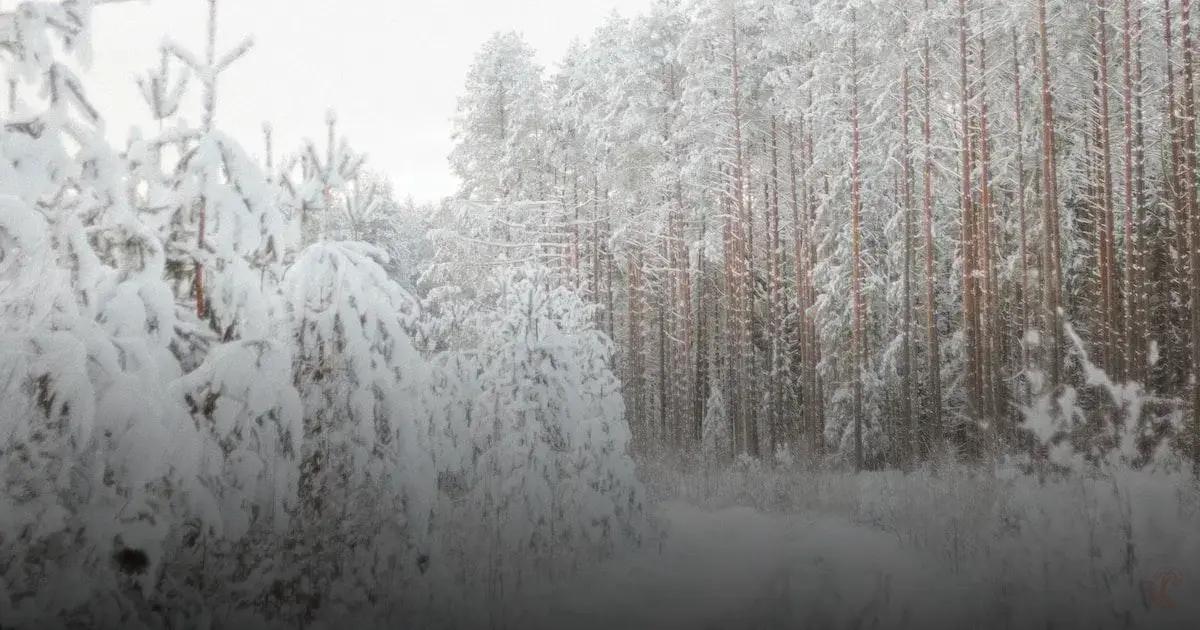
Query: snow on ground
pixel 904 551
pixel 740 567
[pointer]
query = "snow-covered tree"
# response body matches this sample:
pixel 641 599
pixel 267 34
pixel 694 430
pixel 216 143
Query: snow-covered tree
pixel 367 476
pixel 86 323
pixel 311 183
pixel 716 440
pixel 216 416
pixel 553 471
pixel 501 125
pixel 232 394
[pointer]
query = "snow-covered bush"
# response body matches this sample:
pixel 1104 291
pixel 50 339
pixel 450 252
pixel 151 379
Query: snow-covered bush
pixel 1129 428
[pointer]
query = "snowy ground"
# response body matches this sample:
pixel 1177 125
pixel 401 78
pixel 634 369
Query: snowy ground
pixel 743 568
pixel 1069 561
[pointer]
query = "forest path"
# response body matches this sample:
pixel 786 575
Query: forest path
pixel 741 568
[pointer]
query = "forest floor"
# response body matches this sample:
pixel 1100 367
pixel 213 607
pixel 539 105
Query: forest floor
pixel 744 568
pixel 904 551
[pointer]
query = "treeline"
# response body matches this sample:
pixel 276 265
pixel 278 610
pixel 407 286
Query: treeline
pixel 878 231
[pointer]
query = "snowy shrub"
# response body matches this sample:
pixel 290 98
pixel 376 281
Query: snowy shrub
pixel 1131 428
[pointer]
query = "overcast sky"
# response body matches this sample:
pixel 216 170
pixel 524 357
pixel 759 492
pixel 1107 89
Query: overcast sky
pixel 392 69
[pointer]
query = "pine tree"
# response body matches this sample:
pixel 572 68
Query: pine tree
pixel 366 471
pixel 500 122
pixel 552 464
pixel 85 325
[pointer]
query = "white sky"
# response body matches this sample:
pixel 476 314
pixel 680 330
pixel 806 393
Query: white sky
pixel 391 69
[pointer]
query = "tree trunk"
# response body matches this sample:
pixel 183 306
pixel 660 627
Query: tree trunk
pixel 906 395
pixel 935 431
pixel 858 362
pixel 1051 256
